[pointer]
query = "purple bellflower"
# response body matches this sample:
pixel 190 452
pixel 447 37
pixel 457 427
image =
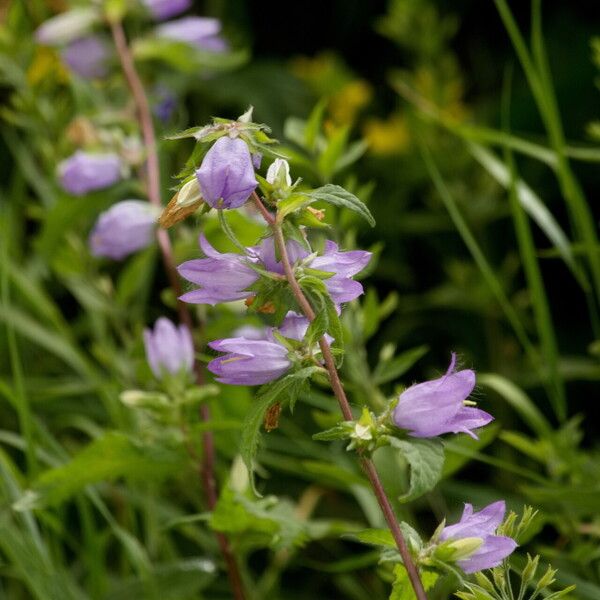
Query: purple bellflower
pixel 482 524
pixel 227 277
pixel 226 175
pixel 126 227
pixel 85 172
pixel 257 358
pixel 435 407
pixel 249 362
pixel 201 32
pixel 87 56
pixel 169 349
pixel 165 9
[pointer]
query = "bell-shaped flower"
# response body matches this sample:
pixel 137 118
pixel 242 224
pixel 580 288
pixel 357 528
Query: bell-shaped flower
pixel 201 32
pixel 85 172
pixel 249 362
pixel 221 277
pixel 126 227
pixel 169 349
pixel 87 56
pixel 227 277
pixel 226 175
pixel 436 407
pixel 165 9
pixel 483 524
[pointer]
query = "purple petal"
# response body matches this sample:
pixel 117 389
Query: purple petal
pixel 126 227
pixel 343 264
pixel 478 524
pixel 87 56
pixel 468 418
pixel 342 289
pixel 84 172
pixel 165 9
pixel 494 550
pixel 226 175
pixel 212 296
pixel 169 349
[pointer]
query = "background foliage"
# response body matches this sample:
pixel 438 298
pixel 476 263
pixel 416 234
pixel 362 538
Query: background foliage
pixel 480 167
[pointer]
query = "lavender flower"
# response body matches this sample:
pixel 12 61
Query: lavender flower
pixel 483 524
pixel 169 349
pixel 124 228
pixel 87 56
pixel 202 32
pixel 165 103
pixel 84 172
pixel 435 407
pixel 165 9
pixel 227 277
pixel 249 362
pixel 226 175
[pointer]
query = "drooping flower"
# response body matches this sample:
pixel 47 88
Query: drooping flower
pixel 165 103
pixel 169 349
pixel 87 56
pixel 249 362
pixel 201 32
pixel 85 172
pixel 483 524
pixel 227 277
pixel 436 407
pixel 226 175
pixel 124 228
pixel 67 26
pixel 165 9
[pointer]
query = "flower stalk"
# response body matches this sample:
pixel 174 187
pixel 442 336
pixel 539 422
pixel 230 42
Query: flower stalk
pixel 339 392
pixel 144 115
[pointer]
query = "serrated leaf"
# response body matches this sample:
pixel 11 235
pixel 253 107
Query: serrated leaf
pixel 339 432
pixel 338 196
pixel 426 460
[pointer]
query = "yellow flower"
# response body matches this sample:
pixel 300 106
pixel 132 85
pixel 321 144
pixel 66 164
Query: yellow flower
pixel 385 137
pixel 46 64
pixel 345 105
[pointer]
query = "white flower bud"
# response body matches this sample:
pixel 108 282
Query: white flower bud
pixel 279 173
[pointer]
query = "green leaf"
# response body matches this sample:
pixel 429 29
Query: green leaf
pixel 339 432
pixel 283 390
pixel 402 588
pixel 109 457
pixel 374 537
pixel 313 125
pixel 426 460
pixel 329 158
pixel 338 196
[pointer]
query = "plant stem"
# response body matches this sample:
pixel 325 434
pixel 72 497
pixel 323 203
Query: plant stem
pixel 340 394
pixel 144 114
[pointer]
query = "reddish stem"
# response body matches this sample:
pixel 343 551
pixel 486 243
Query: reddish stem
pixel 340 394
pixel 207 468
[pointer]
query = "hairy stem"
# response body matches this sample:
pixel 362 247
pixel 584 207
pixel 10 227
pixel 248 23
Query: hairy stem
pixel 340 394
pixel 144 114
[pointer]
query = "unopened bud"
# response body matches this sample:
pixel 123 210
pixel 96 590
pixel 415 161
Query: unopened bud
pixel 278 174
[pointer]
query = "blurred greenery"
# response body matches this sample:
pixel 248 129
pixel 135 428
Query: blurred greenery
pixel 471 129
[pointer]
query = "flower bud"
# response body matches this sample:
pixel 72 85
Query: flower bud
pixel 85 172
pixel 87 56
pixel 169 349
pixel 278 174
pixel 165 9
pixel 124 228
pixel 201 32
pixel 226 175
pixel 66 27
